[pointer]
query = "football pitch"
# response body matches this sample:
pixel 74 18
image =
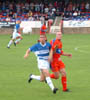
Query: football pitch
pixel 15 70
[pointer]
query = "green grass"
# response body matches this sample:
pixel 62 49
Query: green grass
pixel 14 70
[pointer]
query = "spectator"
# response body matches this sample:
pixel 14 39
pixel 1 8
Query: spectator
pixel 75 14
pixel 87 7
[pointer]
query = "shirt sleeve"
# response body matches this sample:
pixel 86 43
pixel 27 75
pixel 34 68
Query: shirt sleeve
pixel 51 42
pixel 62 52
pixel 17 26
pixel 53 47
pixel 56 48
pixel 33 48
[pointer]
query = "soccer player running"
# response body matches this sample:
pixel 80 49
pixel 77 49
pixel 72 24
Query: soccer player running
pixel 43 29
pixel 16 34
pixel 57 66
pixel 41 49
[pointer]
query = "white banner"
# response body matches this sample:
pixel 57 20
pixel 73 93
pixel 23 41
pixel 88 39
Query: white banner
pixel 74 24
pixel 28 25
pixel 31 24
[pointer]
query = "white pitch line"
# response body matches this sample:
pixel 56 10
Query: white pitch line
pixel 83 46
pixel 83 51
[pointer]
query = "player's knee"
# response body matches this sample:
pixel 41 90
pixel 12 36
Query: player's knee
pixel 21 38
pixel 42 80
pixel 63 73
pixel 13 40
pixel 57 77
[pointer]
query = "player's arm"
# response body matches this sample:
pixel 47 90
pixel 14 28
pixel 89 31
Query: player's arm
pixel 54 48
pixel 27 54
pixel 31 49
pixel 20 30
pixel 51 55
pixel 67 54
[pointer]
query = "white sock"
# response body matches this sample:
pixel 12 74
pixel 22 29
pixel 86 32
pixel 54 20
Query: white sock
pixel 10 42
pixel 49 82
pixel 17 41
pixel 35 77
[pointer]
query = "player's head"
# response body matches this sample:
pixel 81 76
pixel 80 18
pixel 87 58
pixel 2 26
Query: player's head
pixel 18 21
pixel 59 35
pixel 42 38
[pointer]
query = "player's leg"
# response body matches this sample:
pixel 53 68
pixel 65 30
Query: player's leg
pixel 19 38
pixel 48 80
pixel 31 77
pixel 55 70
pixel 54 75
pixel 63 79
pixel 9 44
pixel 46 74
pixel 12 40
pixel 44 67
pixel 41 77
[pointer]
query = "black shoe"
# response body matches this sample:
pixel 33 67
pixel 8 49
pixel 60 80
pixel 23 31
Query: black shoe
pixel 8 47
pixel 30 79
pixel 14 44
pixel 67 90
pixel 55 90
pixel 45 81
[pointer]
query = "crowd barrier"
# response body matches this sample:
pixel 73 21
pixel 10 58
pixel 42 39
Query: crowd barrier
pixel 32 27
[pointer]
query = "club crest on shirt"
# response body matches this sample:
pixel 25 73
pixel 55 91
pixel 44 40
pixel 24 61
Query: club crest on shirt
pixel 58 51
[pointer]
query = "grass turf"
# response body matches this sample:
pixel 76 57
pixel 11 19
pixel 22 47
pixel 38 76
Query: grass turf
pixel 14 70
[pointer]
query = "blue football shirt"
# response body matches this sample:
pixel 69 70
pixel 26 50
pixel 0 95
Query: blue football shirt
pixel 41 51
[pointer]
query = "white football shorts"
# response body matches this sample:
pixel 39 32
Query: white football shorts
pixel 15 35
pixel 43 64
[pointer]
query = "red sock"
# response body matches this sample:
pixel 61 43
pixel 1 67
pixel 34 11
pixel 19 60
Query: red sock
pixel 52 76
pixel 64 83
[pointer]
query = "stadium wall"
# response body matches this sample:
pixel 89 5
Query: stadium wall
pixel 76 27
pixel 68 27
pixel 83 30
pixel 6 30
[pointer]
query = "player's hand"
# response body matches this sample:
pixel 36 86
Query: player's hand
pixel 56 46
pixel 49 59
pixel 25 56
pixel 70 55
